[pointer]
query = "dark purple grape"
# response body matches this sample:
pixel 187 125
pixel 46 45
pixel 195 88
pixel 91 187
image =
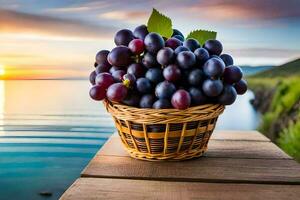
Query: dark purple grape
pixel 228 95
pixel 232 74
pixel 177 32
pixel 186 59
pixel 181 99
pixel 192 44
pixel 117 75
pixel 104 79
pixel 103 67
pixel 179 37
pixel 114 68
pixel 93 77
pixel 149 60
pixel 136 46
pixel 227 59
pixel 120 56
pixel 143 85
pixel 137 69
pixel 214 67
pixel 140 32
pixel 197 96
pixel 214 47
pixel 162 104
pixel 117 92
pixel 154 42
pixel 217 57
pixel 165 56
pixel 129 80
pixel 241 87
pixel 196 77
pixel 132 99
pixel 212 100
pixel 172 73
pixel 101 56
pixel 123 37
pixel 212 88
pixel 154 75
pixel 184 80
pixel 173 43
pixel 97 92
pixel 147 101
pixel 180 49
pixel 202 55
pixel 165 90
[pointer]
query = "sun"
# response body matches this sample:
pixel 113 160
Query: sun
pixel 2 71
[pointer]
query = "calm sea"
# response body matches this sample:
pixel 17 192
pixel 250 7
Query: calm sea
pixel 50 129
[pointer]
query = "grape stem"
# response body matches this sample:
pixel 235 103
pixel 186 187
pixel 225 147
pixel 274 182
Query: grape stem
pixel 126 82
pixel 137 58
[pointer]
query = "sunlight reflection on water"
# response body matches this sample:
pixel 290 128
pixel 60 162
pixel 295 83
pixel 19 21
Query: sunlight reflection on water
pixel 2 103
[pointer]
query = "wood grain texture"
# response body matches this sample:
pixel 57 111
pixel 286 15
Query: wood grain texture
pixel 202 170
pixel 245 149
pixel 216 148
pixel 117 189
pixel 239 135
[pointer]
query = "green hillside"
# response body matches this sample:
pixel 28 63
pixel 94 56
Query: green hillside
pixel 289 69
pixel 277 97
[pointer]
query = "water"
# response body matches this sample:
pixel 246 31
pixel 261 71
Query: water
pixel 240 115
pixel 49 131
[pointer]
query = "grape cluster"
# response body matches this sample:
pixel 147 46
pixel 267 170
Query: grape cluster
pixel 146 70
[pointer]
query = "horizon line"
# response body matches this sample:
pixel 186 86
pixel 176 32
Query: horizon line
pixel 40 79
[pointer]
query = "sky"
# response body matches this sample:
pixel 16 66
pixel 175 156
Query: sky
pixel 42 39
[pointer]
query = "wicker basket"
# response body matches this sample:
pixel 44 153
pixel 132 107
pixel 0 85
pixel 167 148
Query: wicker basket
pixel 165 134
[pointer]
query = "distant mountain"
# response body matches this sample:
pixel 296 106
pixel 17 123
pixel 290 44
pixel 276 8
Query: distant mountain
pixel 251 70
pixel 288 69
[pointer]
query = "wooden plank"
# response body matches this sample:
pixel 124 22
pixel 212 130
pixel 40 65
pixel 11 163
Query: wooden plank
pixel 100 188
pixel 202 170
pixel 239 135
pixel 216 148
pixel 244 149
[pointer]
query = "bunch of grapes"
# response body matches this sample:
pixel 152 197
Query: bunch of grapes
pixel 146 70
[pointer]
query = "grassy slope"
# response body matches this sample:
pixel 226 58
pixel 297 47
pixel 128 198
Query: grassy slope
pixel 281 118
pixel 286 70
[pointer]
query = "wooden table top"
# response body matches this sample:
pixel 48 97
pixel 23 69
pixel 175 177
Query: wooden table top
pixel 237 165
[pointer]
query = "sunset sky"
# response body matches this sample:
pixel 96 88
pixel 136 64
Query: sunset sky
pixel 59 38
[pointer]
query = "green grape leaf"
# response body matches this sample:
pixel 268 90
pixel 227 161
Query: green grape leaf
pixel 160 23
pixel 202 35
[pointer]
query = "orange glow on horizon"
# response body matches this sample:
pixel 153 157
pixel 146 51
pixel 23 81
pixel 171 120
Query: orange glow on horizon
pixel 26 74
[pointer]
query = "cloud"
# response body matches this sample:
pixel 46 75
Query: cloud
pixel 263 55
pixel 247 9
pixel 69 9
pixel 239 13
pixel 133 11
pixel 84 6
pixel 129 16
pixel 265 52
pixel 16 55
pixel 19 22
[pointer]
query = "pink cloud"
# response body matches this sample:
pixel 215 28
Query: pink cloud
pixel 18 22
pixel 246 9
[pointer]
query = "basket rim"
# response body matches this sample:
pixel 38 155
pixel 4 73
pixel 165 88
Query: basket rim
pixel 162 116
pixel 199 107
